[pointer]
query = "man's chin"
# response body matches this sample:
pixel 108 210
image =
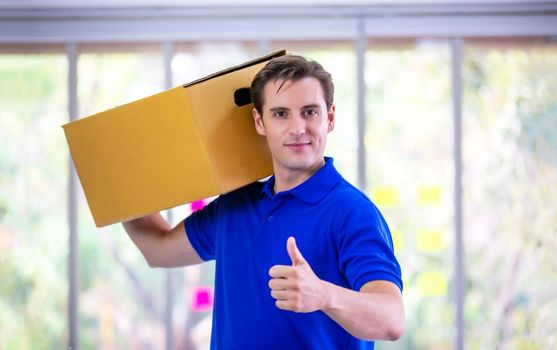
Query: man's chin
pixel 300 164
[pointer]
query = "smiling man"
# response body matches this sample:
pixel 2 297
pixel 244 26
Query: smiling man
pixel 304 260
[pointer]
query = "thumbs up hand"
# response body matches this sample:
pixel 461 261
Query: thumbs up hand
pixel 294 252
pixel 296 288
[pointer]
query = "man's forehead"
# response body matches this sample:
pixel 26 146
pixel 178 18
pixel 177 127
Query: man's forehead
pixel 307 84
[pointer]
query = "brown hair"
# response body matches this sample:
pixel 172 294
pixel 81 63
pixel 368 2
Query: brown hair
pixel 290 67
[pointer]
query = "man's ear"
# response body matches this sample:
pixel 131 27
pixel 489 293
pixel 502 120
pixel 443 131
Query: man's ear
pixel 258 119
pixel 331 118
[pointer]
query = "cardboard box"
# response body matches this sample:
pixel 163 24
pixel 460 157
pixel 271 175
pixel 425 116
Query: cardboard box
pixel 181 145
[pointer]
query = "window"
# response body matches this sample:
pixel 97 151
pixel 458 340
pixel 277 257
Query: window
pixel 410 176
pixel 509 121
pixel 338 58
pixel 510 155
pixel 121 298
pixel 33 180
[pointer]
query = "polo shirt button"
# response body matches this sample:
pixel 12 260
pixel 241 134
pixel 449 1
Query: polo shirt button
pixel 270 218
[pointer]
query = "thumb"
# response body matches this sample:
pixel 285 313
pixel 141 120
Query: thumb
pixel 294 252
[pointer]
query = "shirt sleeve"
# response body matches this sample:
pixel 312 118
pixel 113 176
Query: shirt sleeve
pixel 366 248
pixel 201 230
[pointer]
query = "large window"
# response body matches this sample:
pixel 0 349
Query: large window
pixel 410 176
pixel 509 121
pixel 33 178
pixel 510 155
pixel 122 300
pixel 194 284
pixel 338 58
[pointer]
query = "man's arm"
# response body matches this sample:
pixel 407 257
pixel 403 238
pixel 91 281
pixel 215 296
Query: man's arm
pixel 160 244
pixel 376 312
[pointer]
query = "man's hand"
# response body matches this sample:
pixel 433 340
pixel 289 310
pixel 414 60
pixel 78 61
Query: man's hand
pixel 161 245
pixel 296 287
pixel 375 312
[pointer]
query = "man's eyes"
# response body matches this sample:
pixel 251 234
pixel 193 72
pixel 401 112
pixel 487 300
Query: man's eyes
pixel 279 114
pixel 310 112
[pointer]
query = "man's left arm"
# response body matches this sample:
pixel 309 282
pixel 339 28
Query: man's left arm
pixel 375 312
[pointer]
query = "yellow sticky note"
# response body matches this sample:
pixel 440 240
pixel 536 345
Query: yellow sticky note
pixel 428 195
pixel 430 240
pixel 432 283
pixel 398 241
pixel 385 196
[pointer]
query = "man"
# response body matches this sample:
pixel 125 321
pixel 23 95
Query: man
pixel 303 260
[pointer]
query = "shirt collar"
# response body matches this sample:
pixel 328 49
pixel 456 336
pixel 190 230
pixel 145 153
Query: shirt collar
pixel 313 189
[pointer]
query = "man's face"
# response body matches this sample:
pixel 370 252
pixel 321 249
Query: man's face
pixel 295 122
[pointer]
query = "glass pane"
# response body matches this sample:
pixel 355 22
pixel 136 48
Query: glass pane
pixel 122 299
pixel 194 290
pixel 510 150
pixel 194 61
pixel 337 58
pixel 410 177
pixel 33 181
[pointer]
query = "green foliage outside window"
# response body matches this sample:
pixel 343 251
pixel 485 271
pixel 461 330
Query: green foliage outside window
pixel 510 172
pixel 33 178
pixel 510 113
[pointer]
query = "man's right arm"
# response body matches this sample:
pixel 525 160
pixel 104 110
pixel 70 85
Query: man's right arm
pixel 160 244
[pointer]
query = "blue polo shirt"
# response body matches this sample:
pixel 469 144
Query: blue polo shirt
pixel 338 230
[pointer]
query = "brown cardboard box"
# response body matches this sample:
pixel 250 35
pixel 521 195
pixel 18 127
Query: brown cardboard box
pixel 180 145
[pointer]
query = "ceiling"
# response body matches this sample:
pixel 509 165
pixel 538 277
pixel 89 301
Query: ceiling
pixel 22 4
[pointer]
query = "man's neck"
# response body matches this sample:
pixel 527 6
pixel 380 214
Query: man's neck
pixel 287 179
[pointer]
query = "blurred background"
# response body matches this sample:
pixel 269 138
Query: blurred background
pixel 446 118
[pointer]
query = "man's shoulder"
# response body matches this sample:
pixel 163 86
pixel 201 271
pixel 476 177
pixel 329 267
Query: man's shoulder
pixel 241 197
pixel 347 201
pixel 248 191
pixel 349 194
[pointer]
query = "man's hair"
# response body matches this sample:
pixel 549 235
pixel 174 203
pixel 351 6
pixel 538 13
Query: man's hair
pixel 290 68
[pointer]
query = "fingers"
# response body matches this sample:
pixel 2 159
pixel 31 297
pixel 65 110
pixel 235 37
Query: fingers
pixel 281 294
pixel 278 283
pixel 283 304
pixel 292 286
pixel 294 252
pixel 289 304
pixel 286 300
pixel 282 284
pixel 281 271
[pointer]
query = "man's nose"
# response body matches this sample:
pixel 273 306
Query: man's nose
pixel 297 125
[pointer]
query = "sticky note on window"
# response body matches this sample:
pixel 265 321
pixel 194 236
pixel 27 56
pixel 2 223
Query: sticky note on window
pixel 430 240
pixel 429 195
pixel 398 241
pixel 385 196
pixel 432 283
pixel 202 298
pixel 197 205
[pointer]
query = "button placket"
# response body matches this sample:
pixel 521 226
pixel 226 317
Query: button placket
pixel 270 217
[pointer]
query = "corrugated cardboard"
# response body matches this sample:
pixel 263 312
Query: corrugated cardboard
pixel 172 148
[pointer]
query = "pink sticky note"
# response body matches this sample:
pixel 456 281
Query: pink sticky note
pixel 202 298
pixel 197 205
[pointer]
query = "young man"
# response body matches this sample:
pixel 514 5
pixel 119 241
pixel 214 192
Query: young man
pixel 303 260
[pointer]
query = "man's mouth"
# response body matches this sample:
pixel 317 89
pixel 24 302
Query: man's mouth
pixel 297 145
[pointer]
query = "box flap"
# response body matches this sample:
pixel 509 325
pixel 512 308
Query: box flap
pixel 241 66
pixel 237 151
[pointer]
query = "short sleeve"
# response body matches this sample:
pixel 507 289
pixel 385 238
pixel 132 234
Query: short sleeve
pixel 201 229
pixel 366 249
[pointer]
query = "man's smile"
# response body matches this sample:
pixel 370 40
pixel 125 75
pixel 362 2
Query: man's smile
pixel 297 145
